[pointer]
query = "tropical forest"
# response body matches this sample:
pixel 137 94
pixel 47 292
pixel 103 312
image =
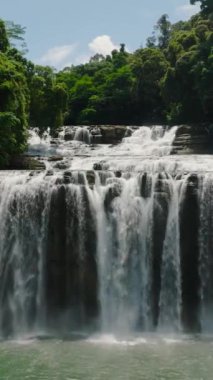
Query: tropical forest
pixel 169 81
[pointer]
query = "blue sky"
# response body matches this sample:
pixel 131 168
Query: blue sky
pixel 64 32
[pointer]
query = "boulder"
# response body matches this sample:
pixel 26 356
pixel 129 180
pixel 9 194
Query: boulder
pixel 101 134
pixel 55 158
pixel 90 178
pixel 62 165
pixel 101 165
pixel 67 177
pixel 69 134
pixel 49 173
pixel 112 134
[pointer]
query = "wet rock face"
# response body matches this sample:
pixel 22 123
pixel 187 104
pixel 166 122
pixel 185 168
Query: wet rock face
pixel 189 249
pixel 100 134
pixel 62 165
pixel 68 177
pixel 146 185
pixel 69 134
pixel 113 192
pixel 26 163
pixel 101 165
pixel 112 134
pixel 193 140
pixel 90 178
pixel 55 267
pixel 160 216
pixel 71 270
pixel 55 158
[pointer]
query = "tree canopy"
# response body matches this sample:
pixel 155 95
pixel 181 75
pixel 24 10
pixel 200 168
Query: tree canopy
pixel 206 5
pixel 168 81
pixel 14 100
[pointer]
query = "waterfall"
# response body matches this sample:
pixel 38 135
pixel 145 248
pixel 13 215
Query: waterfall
pixel 24 209
pixel 40 145
pixel 123 252
pixel 124 248
pixel 170 298
pixel 82 134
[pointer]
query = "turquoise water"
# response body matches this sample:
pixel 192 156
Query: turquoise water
pixel 104 358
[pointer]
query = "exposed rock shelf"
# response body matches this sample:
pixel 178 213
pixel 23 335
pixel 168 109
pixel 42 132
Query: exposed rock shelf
pixel 99 134
pixel 193 140
pixel 25 162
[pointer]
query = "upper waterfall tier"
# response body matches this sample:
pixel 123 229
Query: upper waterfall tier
pixel 141 149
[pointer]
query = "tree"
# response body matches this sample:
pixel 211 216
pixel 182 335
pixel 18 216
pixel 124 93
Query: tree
pixel 151 41
pixel 97 58
pixel 120 57
pixel 15 33
pixel 187 85
pixel 48 102
pixel 117 95
pixel 206 5
pixel 79 96
pixel 4 41
pixel 149 65
pixel 161 33
pixel 57 106
pixel 13 109
pixel 163 27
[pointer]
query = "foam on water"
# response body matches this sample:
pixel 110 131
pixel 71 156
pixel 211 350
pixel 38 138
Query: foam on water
pixel 111 340
pixel 140 340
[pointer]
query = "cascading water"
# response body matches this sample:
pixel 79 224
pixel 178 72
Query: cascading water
pixel 123 248
pixel 82 134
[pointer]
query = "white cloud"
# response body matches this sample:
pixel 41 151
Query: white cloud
pixel 57 56
pixel 188 10
pixel 81 59
pixel 102 45
pixel 77 60
pixel 67 55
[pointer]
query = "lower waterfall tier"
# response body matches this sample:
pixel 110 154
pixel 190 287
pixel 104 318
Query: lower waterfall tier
pixel 107 251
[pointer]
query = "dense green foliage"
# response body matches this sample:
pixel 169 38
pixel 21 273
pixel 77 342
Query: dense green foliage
pixel 48 99
pixel 206 5
pixel 14 99
pixel 29 94
pixel 168 81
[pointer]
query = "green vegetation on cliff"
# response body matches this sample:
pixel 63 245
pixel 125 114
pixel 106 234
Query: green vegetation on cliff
pixel 29 94
pixel 14 101
pixel 168 81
